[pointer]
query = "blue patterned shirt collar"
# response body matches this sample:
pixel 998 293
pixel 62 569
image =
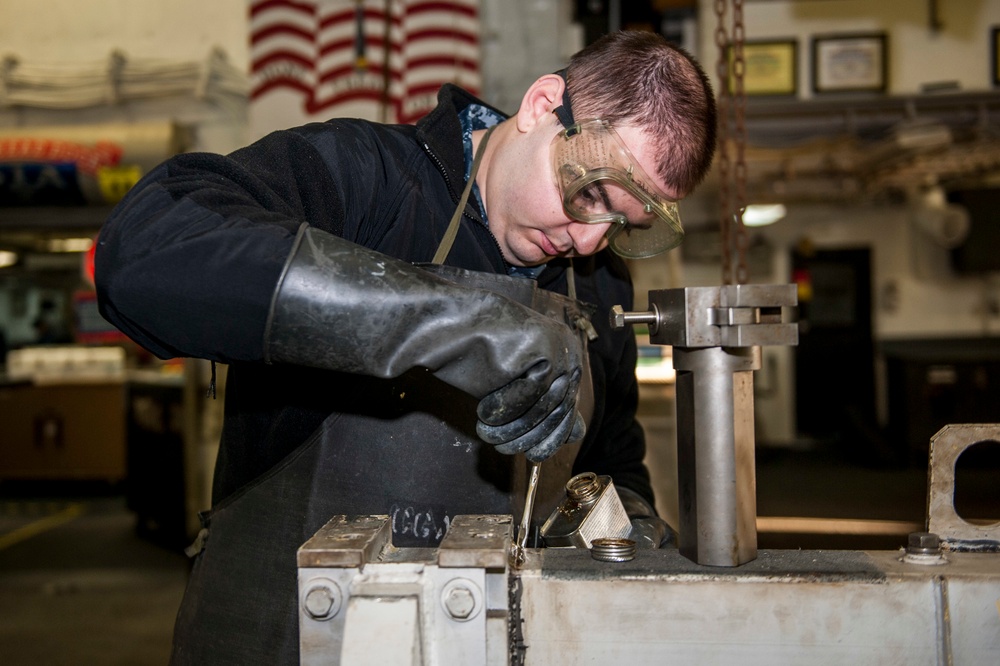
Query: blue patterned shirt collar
pixel 476 117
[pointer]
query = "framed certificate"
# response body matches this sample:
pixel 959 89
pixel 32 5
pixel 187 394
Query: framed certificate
pixel 770 67
pixel 850 63
pixel 995 55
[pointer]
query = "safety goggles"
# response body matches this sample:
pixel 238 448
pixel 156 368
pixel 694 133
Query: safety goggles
pixel 601 182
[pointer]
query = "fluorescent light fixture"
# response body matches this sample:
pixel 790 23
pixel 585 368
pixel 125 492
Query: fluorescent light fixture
pixel 69 244
pixel 759 215
pixel 7 258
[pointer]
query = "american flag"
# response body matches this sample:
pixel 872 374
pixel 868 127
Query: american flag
pixel 391 56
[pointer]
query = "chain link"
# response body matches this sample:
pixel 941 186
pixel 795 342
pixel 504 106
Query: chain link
pixel 740 174
pixel 732 130
pixel 722 159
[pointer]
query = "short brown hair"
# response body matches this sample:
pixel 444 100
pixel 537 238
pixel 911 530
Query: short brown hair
pixel 638 77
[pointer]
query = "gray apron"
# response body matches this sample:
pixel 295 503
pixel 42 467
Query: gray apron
pixel 413 456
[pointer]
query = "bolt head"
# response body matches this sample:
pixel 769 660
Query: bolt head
pixel 923 543
pixel 321 602
pixel 460 602
pixel 617 317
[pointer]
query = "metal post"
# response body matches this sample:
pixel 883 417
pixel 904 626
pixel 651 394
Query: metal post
pixel 715 454
pixel 716 334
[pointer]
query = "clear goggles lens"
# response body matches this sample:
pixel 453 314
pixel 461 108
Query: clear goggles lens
pixel 601 182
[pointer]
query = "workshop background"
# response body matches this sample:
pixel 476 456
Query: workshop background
pixel 871 126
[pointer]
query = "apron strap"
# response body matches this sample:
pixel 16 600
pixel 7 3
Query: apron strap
pixel 449 236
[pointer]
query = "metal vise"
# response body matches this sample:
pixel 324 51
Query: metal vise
pixel 716 334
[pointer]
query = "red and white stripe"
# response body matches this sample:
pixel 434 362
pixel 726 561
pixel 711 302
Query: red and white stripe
pixel 311 46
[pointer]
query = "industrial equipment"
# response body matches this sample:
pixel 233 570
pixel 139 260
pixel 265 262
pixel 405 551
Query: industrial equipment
pixel 713 600
pixel 716 334
pixel 363 601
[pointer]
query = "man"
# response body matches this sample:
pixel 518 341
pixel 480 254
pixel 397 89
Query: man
pixel 403 308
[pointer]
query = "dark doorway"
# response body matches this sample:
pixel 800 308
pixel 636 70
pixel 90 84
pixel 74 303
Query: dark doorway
pixel 835 358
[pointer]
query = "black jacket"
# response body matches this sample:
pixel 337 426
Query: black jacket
pixel 187 264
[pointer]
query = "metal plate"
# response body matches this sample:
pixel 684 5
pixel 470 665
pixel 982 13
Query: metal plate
pixel 956 533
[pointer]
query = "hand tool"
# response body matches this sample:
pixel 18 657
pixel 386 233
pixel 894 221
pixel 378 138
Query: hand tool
pixel 517 547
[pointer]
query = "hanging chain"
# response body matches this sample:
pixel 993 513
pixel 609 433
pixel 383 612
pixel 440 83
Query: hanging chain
pixel 740 175
pixel 722 160
pixel 732 125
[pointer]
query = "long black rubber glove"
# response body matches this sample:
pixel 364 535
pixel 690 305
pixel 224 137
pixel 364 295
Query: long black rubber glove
pixel 648 529
pixel 341 306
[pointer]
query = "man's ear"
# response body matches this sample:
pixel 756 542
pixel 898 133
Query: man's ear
pixel 544 95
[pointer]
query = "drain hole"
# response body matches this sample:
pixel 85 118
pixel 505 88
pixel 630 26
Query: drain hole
pixel 977 483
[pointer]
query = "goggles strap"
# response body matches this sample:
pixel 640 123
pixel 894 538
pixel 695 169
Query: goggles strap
pixel 565 112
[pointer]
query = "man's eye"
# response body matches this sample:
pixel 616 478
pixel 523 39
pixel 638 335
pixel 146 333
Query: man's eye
pixel 591 196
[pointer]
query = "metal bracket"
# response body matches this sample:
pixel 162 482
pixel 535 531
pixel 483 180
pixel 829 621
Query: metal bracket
pixel 956 533
pixel 745 315
pixel 436 606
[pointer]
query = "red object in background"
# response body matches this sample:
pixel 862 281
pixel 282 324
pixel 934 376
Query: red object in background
pixel 803 278
pixel 88 264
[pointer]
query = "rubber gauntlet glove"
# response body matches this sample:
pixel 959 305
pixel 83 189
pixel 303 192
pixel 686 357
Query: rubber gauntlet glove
pixel 648 529
pixel 340 306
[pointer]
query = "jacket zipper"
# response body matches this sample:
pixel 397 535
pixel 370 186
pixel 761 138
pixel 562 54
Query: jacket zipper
pixel 444 173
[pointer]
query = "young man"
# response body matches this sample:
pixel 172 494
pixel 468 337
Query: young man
pixel 401 308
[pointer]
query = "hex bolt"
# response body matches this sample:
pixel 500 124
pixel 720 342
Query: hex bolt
pixel 460 602
pixel 322 601
pixel 923 543
pixel 620 319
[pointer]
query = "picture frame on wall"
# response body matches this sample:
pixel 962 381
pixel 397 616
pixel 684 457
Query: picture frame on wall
pixel 995 54
pixel 850 63
pixel 770 67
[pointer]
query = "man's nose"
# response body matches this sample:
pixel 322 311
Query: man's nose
pixel 588 238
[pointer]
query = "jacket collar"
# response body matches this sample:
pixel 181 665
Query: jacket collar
pixel 440 132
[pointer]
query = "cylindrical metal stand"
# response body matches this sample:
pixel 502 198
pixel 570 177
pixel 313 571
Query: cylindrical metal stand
pixel 715 454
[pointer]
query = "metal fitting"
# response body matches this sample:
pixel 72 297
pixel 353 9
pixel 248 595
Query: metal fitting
pixel 619 318
pixel 584 488
pixel 612 550
pixel 923 548
pixel 322 600
pixel 923 543
pixel 461 599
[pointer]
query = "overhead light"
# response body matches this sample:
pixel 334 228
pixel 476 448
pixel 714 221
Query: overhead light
pixel 7 258
pixel 69 244
pixel 759 215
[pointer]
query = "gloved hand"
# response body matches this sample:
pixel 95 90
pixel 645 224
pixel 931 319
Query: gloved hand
pixel 341 306
pixel 648 529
